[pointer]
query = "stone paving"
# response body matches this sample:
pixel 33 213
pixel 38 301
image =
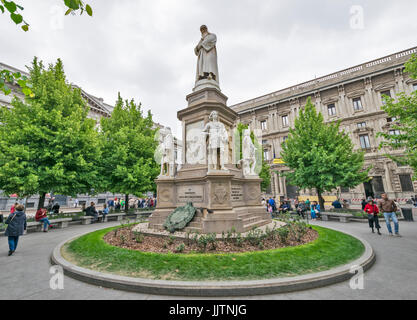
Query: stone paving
pixel 25 275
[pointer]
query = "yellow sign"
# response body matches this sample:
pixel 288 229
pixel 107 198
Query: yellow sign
pixel 279 161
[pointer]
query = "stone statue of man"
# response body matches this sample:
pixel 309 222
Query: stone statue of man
pixel 206 52
pixel 218 142
pixel 168 154
pixel 248 154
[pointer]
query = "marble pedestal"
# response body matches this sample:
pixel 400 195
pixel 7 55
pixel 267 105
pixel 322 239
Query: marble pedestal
pixel 225 199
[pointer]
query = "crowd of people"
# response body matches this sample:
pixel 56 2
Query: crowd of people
pixel 301 207
pixel 16 221
pixel 134 203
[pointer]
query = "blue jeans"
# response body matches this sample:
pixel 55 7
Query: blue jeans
pixel 393 216
pixel 13 242
pixel 45 223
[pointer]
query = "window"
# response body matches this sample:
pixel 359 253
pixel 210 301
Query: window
pixel 331 108
pixel 406 183
pixel 266 155
pixel 365 144
pixel 264 141
pixel 391 119
pixel 415 87
pixel 263 125
pixel 394 132
pixel 385 93
pixel 285 122
pixel 357 104
pixel 361 125
pixel 284 138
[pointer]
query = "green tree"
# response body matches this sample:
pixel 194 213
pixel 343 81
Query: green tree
pixel 405 112
pixel 128 145
pixel 262 166
pixel 320 156
pixel 47 143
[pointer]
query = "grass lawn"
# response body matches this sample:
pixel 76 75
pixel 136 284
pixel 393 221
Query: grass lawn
pixel 331 249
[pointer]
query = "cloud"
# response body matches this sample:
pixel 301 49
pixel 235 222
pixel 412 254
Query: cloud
pixel 144 49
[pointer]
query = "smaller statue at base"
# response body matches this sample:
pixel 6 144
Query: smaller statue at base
pixel 218 143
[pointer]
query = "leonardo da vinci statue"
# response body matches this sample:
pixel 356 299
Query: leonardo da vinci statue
pixel 206 52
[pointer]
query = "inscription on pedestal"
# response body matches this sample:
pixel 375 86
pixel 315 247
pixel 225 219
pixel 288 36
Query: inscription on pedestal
pixel 190 194
pixel 237 193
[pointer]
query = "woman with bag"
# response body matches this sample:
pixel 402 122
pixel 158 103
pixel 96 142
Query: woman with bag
pixel 16 225
pixel 372 210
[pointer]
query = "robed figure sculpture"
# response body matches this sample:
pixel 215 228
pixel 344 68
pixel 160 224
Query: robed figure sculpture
pixel 206 52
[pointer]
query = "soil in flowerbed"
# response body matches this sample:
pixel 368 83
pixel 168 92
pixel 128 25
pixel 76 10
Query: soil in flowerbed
pixel 128 239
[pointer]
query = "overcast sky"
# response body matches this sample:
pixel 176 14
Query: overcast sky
pixel 144 48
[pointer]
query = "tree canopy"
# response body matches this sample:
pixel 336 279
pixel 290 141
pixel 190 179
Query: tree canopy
pixel 128 144
pixel 405 125
pixel 47 143
pixel 320 156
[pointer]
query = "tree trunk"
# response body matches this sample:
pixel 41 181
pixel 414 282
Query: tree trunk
pixel 42 200
pixel 126 203
pixel 321 200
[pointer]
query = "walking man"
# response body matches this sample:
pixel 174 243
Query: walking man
pixel 389 209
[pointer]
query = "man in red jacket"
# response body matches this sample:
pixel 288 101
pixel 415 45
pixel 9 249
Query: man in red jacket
pixel 372 210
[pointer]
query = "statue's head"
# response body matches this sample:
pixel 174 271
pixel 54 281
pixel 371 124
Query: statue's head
pixel 214 116
pixel 203 29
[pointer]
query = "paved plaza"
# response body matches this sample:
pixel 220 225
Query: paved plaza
pixel 26 275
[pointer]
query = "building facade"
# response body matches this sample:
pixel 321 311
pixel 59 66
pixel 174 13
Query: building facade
pixel 352 96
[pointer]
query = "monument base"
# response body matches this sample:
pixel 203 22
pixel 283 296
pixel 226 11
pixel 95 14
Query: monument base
pixel 224 199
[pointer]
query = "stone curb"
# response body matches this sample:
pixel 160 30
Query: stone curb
pixel 215 289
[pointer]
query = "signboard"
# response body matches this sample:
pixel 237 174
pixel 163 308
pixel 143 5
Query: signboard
pixel 278 161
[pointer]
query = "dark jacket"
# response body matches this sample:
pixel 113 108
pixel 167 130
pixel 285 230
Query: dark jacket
pixel 91 211
pixel 16 224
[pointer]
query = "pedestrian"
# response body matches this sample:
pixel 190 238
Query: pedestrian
pixel 364 203
pixel 92 212
pixel 13 207
pixel 389 209
pixel 41 216
pixel 372 210
pixel 105 212
pixel 315 210
pixel 273 204
pixel 75 203
pixel 336 204
pixel 414 200
pixel 55 208
pixel 16 225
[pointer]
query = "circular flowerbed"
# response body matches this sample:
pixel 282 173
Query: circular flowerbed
pixel 329 249
pixel 291 235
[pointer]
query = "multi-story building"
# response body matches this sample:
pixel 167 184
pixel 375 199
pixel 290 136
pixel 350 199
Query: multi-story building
pixel 353 96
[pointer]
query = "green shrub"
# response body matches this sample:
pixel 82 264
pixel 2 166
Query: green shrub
pixel 180 248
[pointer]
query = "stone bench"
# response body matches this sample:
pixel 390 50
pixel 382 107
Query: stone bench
pixel 89 219
pixel 343 217
pixel 38 225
